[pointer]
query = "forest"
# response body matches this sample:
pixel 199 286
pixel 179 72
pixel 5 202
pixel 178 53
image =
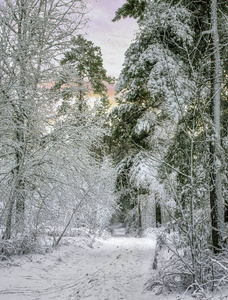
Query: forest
pixel 158 158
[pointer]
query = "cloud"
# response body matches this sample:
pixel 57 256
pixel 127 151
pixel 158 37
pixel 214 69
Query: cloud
pixel 113 38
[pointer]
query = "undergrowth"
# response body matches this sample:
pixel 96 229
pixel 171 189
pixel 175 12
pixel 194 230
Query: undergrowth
pixel 179 267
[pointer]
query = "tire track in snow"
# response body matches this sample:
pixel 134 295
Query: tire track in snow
pixel 118 269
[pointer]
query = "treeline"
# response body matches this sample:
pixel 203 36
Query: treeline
pixel 55 174
pixel 169 138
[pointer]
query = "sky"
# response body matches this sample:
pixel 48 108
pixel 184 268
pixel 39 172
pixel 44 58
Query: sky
pixel 112 37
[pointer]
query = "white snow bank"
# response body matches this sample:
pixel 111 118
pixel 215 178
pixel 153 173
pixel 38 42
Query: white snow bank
pixel 111 269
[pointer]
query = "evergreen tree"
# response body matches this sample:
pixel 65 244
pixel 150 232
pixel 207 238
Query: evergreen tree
pixel 82 73
pixel 132 8
pixel 176 62
pixel 164 65
pixel 153 81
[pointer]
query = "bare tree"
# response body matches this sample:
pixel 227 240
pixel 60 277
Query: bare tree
pixel 34 35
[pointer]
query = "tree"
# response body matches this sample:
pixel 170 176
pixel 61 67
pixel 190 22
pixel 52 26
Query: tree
pixel 216 199
pixel 132 8
pixel 75 145
pixel 172 63
pixel 165 43
pixel 75 185
pixel 84 63
pixel 153 83
pixel 33 34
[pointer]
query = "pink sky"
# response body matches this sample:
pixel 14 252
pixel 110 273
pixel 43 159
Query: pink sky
pixel 113 38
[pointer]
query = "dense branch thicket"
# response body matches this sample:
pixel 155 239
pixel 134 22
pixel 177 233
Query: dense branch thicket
pixel 48 158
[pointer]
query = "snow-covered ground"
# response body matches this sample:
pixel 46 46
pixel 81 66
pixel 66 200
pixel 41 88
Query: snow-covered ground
pixel 111 269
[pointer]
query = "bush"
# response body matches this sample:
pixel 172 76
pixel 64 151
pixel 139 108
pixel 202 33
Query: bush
pixel 23 244
pixel 179 267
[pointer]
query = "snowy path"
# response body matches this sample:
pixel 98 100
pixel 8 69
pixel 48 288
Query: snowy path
pixel 118 268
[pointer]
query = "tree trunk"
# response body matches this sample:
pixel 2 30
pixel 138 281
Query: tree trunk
pixel 216 201
pixel 158 212
pixel 8 231
pixel 17 198
pixel 20 118
pixel 139 218
pixel 226 212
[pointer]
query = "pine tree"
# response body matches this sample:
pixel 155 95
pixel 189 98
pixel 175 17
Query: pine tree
pixel 176 62
pixel 132 8
pixel 82 73
pixel 152 79
pixel 176 37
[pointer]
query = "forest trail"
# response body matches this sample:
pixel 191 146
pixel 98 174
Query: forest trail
pixel 116 268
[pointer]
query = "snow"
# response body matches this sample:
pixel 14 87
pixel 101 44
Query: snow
pixel 116 268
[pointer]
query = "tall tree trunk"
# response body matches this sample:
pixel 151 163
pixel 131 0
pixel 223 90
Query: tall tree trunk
pixel 17 198
pixel 139 217
pixel 216 201
pixel 21 116
pixel 158 215
pixel 81 94
pixel 8 231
